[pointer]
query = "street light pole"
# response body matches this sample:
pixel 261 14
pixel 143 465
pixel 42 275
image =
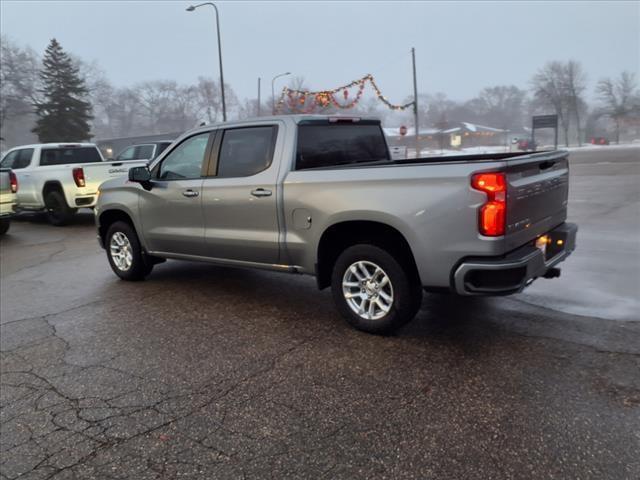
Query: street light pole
pixel 224 105
pixel 273 95
pixel 258 96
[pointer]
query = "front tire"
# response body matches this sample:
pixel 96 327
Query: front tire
pixel 373 290
pixel 58 212
pixel 125 253
pixel 5 223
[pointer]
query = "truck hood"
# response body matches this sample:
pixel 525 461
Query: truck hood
pixel 114 183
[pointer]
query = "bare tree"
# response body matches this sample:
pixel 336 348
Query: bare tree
pixel 102 96
pixel 619 98
pixel 19 83
pixel 432 108
pixel 155 102
pixel 549 89
pixel 123 112
pixel 500 106
pixel 561 86
pixel 575 83
pixel 209 99
pixel 248 108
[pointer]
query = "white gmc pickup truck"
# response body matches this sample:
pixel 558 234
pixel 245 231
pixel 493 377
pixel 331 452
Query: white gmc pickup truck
pixel 61 177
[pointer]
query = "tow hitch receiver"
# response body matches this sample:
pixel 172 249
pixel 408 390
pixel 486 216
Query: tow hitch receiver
pixel 552 273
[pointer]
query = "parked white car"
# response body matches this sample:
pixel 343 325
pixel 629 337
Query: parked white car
pixel 61 177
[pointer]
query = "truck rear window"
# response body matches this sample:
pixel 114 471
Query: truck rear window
pixel 63 156
pixel 322 145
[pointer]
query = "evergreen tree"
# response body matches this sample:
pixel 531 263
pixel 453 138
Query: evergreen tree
pixel 64 113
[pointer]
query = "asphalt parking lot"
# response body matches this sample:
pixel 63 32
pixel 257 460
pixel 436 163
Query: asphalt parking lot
pixel 209 372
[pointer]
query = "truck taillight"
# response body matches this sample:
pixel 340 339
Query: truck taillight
pixel 493 213
pixel 78 177
pixel 13 181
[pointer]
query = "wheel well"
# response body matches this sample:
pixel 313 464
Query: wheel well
pixel 51 187
pixel 342 235
pixel 109 217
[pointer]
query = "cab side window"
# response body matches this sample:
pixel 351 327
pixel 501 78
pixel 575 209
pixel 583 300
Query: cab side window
pixel 246 151
pixel 127 154
pixel 24 159
pixel 17 159
pixel 143 152
pixel 161 148
pixel 136 152
pixel 9 159
pixel 185 161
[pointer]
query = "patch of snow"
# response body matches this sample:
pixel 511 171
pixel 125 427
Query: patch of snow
pixel 469 126
pixel 585 147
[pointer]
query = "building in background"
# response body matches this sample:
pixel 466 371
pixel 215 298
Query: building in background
pixel 454 136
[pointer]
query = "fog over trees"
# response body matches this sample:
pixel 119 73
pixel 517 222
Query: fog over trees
pixel 166 106
pixel 618 99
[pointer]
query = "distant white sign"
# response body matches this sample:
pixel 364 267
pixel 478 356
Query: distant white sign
pixel 398 153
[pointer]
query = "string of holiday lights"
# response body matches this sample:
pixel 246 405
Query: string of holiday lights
pixel 304 101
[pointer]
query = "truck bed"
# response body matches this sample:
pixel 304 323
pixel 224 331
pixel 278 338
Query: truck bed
pixel 475 158
pixel 432 203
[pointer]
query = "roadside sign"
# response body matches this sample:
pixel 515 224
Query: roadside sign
pixel 398 153
pixel 545 121
pixel 403 130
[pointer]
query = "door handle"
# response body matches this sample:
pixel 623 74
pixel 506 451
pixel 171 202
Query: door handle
pixel 261 192
pixel 190 193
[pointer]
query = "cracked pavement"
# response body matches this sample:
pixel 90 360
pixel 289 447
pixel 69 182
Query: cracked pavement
pixel 210 372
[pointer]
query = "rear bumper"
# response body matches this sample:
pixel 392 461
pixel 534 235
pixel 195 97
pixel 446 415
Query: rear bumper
pixel 85 201
pixel 7 209
pixel 516 270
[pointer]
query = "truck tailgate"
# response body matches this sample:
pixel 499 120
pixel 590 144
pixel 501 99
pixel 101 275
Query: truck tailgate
pixel 5 182
pixel 97 173
pixel 537 196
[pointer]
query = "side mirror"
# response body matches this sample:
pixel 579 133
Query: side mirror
pixel 140 175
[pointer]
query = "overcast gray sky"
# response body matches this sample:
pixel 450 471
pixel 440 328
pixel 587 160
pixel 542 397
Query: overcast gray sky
pixel 461 46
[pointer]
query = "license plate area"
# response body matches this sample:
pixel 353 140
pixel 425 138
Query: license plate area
pixel 541 244
pixel 551 244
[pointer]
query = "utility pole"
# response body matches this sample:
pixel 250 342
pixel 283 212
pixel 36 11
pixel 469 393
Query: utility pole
pixel 258 96
pixel 415 101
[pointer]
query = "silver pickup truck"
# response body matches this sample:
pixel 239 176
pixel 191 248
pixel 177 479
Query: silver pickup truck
pixel 321 196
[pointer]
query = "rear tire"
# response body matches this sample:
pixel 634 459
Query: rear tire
pixel 58 212
pixel 125 253
pixel 5 223
pixel 373 290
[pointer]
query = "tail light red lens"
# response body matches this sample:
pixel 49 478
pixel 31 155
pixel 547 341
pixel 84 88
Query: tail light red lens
pixel 493 213
pixel 13 181
pixel 78 177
